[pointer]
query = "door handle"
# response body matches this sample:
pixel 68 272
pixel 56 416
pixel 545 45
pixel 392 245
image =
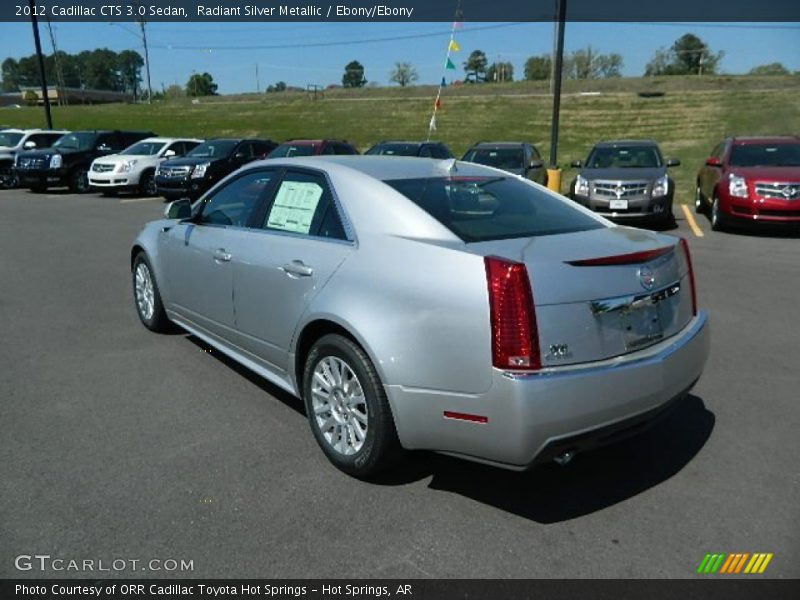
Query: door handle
pixel 297 268
pixel 221 256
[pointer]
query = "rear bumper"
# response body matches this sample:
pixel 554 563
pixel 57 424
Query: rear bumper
pixel 532 416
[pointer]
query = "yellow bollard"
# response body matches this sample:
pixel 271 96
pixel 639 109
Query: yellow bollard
pixel 554 180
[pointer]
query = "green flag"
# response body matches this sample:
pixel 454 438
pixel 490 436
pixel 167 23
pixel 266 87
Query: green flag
pixel 450 64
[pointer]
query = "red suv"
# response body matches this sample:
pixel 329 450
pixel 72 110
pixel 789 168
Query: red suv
pixel 751 180
pixel 312 148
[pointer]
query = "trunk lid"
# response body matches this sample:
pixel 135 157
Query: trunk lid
pixel 601 293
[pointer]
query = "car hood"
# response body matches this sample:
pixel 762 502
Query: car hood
pixel 190 161
pixel 632 174
pixel 118 158
pixel 768 173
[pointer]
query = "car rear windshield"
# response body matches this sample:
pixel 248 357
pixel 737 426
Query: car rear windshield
pixel 9 139
pixel 766 155
pixel 500 158
pixel 144 149
pixel 481 209
pixel 395 149
pixel 624 157
pixel 213 149
pixel 81 140
pixel 289 150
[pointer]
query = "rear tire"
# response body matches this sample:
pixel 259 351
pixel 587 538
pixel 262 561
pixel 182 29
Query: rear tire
pixel 147 298
pixel 79 181
pixel 347 407
pixel 8 180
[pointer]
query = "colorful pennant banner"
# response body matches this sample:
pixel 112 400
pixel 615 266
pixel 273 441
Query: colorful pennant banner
pixel 449 65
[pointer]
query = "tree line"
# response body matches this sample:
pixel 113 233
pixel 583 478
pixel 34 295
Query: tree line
pixel 100 69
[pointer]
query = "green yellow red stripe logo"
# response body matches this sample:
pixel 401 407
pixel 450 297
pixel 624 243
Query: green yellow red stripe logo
pixel 734 563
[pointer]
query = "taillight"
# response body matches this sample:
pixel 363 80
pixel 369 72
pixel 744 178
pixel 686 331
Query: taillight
pixel 685 248
pixel 515 338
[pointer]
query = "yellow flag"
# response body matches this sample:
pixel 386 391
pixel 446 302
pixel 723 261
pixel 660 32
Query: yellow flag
pixel 454 47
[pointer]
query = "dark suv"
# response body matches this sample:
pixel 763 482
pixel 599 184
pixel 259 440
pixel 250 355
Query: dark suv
pixel 519 158
pixel 312 148
pixel 68 160
pixel 626 179
pixel 422 149
pixel 191 175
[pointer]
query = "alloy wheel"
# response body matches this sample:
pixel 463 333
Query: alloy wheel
pixel 339 405
pixel 145 294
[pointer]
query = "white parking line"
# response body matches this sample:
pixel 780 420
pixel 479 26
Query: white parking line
pixel 132 200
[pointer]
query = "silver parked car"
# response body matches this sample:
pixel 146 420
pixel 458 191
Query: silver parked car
pixel 429 304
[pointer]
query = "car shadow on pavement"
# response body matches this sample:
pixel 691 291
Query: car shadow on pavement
pixel 268 388
pixel 591 482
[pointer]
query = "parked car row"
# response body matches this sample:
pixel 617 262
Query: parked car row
pixel 745 180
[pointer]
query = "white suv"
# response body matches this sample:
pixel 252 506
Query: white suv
pixel 133 168
pixel 13 141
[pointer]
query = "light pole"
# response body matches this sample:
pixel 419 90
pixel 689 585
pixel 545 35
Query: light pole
pixel 37 42
pixel 553 172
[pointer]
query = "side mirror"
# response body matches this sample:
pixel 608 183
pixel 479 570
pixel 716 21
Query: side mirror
pixel 239 156
pixel 673 162
pixel 714 162
pixel 170 154
pixel 104 148
pixel 537 163
pixel 178 209
pixel 576 164
pixel 29 145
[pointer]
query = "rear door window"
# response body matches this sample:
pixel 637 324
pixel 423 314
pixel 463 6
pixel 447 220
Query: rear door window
pixel 480 209
pixel 303 204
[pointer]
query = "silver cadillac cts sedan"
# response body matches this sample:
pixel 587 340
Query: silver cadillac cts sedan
pixel 429 304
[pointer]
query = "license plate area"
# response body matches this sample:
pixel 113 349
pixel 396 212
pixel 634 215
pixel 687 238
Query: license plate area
pixel 641 325
pixel 618 204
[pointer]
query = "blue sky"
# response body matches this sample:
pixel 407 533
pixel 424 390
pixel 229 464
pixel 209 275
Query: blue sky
pixel 295 62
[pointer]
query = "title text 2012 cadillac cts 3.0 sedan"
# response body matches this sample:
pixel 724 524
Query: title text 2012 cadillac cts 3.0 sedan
pixel 424 304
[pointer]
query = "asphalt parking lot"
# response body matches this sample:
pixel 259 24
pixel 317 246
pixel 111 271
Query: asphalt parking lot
pixel 119 443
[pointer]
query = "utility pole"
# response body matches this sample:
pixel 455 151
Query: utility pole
pixel 258 82
pixel 146 62
pixel 553 172
pixel 62 97
pixel 38 43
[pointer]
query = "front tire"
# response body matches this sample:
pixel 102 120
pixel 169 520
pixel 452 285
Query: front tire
pixel 718 222
pixel 147 184
pixel 347 407
pixel 79 181
pixel 147 298
pixel 699 201
pixel 8 180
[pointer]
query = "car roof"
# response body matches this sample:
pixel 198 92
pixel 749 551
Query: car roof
pixel 29 131
pixel 501 144
pixel 309 142
pixel 384 167
pixel 411 142
pixel 624 143
pixel 773 139
pixel 167 140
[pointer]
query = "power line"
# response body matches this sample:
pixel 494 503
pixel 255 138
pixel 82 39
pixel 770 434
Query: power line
pixel 350 42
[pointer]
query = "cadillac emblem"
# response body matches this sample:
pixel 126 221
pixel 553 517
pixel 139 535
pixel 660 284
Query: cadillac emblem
pixel 647 278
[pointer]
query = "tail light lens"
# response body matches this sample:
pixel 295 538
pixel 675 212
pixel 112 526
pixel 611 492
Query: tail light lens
pixel 515 338
pixel 687 254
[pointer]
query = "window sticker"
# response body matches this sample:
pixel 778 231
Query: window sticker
pixel 294 206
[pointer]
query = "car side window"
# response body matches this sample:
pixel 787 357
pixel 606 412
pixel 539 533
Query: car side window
pixel 718 150
pixel 303 204
pixel 235 203
pixel 107 140
pixel 344 149
pixel 177 147
pixel 425 152
pixel 329 149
